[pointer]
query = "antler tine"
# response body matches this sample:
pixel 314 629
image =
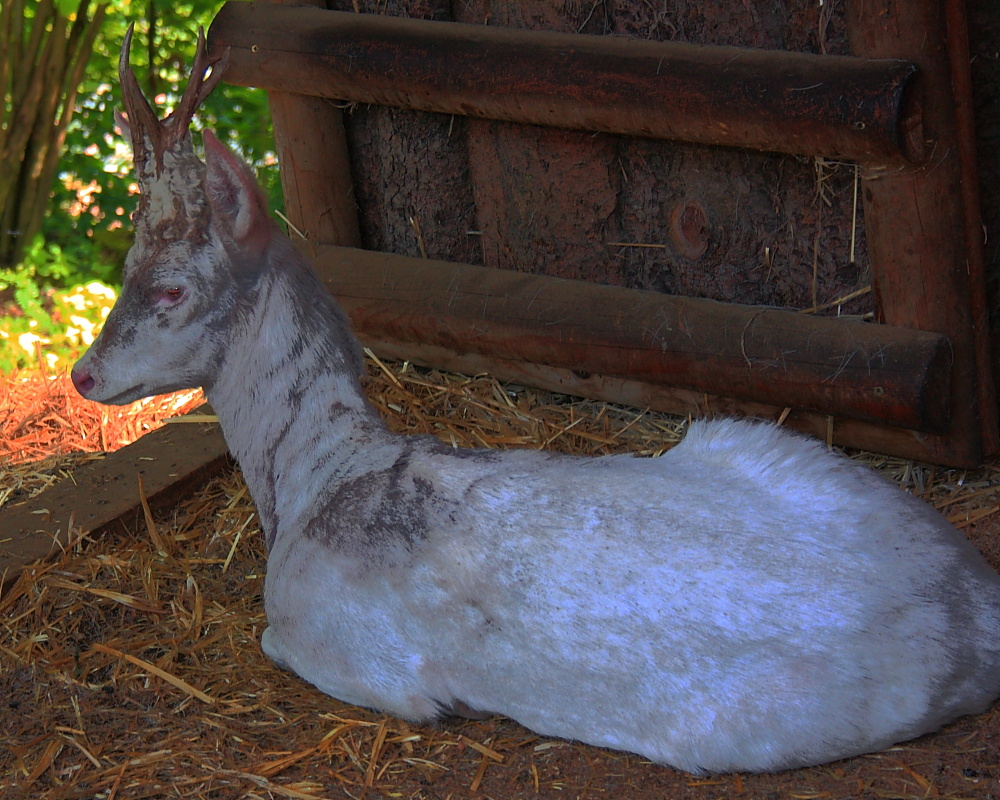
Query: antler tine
pixel 199 86
pixel 142 119
pixel 171 178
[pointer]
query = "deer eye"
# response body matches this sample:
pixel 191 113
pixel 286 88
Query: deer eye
pixel 169 295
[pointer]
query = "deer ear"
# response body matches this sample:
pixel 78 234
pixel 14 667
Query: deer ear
pixel 233 192
pixel 122 122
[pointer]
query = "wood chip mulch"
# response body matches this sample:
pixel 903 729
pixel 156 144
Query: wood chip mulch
pixel 130 666
pixel 46 427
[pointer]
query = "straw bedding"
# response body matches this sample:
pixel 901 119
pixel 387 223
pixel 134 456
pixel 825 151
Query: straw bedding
pixel 130 665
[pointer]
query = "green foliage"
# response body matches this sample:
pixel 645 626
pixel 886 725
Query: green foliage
pixel 59 323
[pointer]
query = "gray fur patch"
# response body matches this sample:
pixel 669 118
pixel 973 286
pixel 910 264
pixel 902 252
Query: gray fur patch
pixel 379 515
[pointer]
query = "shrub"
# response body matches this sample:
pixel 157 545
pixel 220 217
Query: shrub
pixel 49 315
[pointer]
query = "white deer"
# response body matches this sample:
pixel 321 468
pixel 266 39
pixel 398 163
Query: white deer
pixel 746 602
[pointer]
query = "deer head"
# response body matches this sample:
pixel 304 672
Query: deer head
pixel 196 225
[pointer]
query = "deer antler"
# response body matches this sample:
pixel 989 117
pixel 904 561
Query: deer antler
pixel 169 174
pixel 166 134
pixel 200 85
pixel 141 119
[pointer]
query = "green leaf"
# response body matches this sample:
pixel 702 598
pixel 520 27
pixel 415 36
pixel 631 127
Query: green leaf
pixel 67 7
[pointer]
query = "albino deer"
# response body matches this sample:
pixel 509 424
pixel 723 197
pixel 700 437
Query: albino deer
pixel 748 601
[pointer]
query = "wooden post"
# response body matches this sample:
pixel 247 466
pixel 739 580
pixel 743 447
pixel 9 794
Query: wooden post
pixel 922 236
pixel 769 100
pixel 315 164
pixel 315 168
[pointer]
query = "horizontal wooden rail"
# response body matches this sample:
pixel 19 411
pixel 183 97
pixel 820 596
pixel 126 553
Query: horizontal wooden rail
pixel 639 394
pixel 851 108
pixel 875 373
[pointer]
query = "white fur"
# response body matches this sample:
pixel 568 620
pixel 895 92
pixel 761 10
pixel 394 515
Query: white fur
pixel 746 602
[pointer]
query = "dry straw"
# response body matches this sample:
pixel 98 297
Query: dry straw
pixel 130 666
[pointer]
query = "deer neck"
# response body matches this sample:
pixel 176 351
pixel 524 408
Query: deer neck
pixel 289 398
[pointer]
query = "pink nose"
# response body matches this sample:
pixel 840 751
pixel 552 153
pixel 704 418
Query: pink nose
pixel 82 380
